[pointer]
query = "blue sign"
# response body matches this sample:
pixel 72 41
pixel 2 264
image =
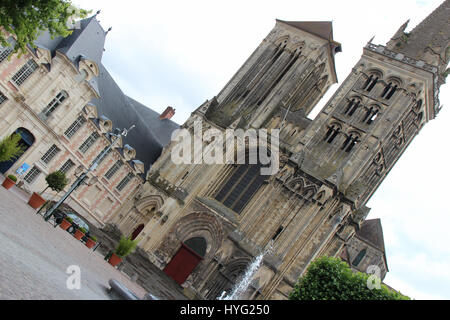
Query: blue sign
pixel 23 168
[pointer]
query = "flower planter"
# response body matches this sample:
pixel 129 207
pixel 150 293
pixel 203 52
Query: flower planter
pixel 90 243
pixel 114 260
pixel 65 224
pixel 36 201
pixel 8 183
pixel 78 234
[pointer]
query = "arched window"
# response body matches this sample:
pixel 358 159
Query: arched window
pixel 352 106
pixel 55 103
pixel 371 82
pixel 359 257
pixel 371 115
pixel 242 184
pixel 350 142
pixel 332 132
pixel 198 245
pixel 389 91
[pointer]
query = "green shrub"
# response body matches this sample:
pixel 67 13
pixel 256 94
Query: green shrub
pixel 125 247
pixel 83 230
pixel 56 181
pixel 10 148
pixel 13 177
pixel 93 238
pixel 332 279
pixel 69 219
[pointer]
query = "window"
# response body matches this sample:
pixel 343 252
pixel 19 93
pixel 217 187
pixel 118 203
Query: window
pixel 241 186
pixel 275 236
pixel 50 154
pixel 24 72
pixel 3 98
pixel 359 257
pixel 352 106
pixel 48 110
pixel 89 142
pixel 32 175
pixel 67 166
pixel 389 91
pixel 370 83
pixel 371 115
pixel 77 124
pixel 349 143
pixel 331 134
pixel 98 156
pixel 112 171
pixel 6 51
pixel 122 184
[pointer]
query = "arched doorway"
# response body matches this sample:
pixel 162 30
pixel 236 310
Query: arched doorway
pixel 186 259
pixel 26 141
pixel 137 231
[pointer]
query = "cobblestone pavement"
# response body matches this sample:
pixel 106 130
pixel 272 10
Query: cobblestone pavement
pixel 34 257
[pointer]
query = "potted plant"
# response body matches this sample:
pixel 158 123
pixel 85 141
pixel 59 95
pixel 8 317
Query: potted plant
pixel 80 233
pixel 124 248
pixel 91 241
pixel 66 223
pixel 9 181
pixel 56 181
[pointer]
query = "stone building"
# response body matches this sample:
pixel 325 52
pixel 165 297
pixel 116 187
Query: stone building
pixel 203 224
pixel 63 102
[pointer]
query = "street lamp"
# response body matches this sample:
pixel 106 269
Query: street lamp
pixel 84 175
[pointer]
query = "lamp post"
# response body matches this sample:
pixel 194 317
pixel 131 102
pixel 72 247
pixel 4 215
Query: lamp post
pixel 84 175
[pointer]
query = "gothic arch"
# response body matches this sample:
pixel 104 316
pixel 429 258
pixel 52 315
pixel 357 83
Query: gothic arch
pixel 155 201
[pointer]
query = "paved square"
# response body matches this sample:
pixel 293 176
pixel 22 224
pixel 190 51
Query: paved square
pixel 34 257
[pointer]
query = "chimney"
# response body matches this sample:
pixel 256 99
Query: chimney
pixel 167 114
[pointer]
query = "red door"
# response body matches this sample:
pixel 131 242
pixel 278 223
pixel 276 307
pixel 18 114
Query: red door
pixel 182 264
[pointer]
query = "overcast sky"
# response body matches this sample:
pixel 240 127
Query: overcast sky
pixel 180 53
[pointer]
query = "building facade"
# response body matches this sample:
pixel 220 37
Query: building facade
pixel 203 224
pixel 65 105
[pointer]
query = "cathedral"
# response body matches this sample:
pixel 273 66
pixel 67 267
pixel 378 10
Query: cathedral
pixel 203 224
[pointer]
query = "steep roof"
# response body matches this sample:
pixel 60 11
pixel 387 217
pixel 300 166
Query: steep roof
pixel 87 42
pixel 372 232
pixel 323 29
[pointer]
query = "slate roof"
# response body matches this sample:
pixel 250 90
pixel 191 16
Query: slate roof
pixel 150 134
pixel 322 29
pixel 372 232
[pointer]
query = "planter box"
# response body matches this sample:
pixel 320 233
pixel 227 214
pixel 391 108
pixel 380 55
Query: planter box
pixel 65 224
pixel 36 201
pixel 78 234
pixel 8 183
pixel 114 260
pixel 90 243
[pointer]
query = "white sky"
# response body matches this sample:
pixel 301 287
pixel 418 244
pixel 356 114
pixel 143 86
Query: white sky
pixel 180 53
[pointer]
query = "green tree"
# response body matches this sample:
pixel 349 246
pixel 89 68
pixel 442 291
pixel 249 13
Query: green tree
pixel 125 246
pixel 27 18
pixel 332 279
pixel 10 147
pixel 56 181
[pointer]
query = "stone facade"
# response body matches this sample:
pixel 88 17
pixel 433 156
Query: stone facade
pixel 329 167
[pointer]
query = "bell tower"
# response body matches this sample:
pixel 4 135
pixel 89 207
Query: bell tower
pixel 391 93
pixel 289 72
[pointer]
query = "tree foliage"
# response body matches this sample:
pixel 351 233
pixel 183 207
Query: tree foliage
pixel 10 147
pixel 26 18
pixel 332 279
pixel 56 181
pixel 125 246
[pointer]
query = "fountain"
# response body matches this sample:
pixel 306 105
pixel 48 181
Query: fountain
pixel 243 284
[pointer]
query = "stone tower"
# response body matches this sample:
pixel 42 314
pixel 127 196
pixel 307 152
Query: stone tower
pixel 207 222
